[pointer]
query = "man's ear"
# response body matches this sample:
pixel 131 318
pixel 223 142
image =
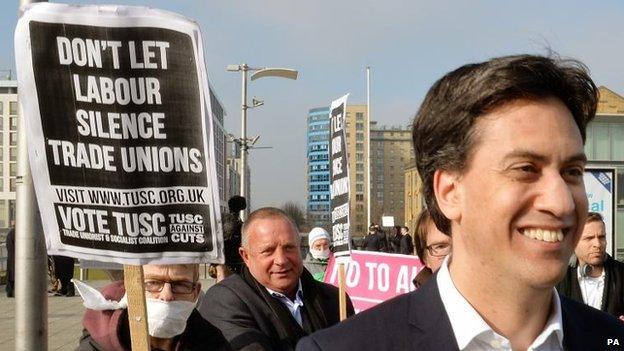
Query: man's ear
pixel 447 193
pixel 244 255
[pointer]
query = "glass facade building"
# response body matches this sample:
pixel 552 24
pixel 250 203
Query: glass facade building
pixel 318 200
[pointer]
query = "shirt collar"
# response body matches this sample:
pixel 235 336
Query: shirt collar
pixel 298 294
pixel 467 324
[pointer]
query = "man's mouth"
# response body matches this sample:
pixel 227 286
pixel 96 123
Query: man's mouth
pixel 547 235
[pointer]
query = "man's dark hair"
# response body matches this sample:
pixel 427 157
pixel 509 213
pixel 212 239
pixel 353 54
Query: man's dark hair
pixel 444 127
pixel 594 217
pixel 237 203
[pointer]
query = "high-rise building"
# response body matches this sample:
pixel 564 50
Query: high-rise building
pixel 317 168
pixel 8 151
pixel 391 152
pixel 220 146
pixel 414 201
pixel 357 150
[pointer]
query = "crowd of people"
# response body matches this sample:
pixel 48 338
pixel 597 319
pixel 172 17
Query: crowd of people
pixel 499 148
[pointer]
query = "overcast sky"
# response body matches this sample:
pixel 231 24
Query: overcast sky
pixel 408 44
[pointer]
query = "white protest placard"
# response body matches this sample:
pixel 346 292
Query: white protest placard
pixel 600 190
pixel 339 180
pixel 387 221
pixel 119 127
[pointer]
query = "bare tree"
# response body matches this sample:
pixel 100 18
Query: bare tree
pixel 297 214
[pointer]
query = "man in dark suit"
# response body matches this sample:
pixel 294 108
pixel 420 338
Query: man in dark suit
pixel 499 147
pixel 597 279
pixel 274 301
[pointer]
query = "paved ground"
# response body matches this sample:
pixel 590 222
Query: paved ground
pixel 64 319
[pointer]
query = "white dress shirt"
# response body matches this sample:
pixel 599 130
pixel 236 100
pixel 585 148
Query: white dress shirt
pixel 591 288
pixel 472 333
pixel 293 306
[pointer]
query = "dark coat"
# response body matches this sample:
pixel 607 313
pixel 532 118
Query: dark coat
pixel 250 323
pixel 10 245
pixel 375 242
pixel 613 294
pixel 418 321
pixel 109 330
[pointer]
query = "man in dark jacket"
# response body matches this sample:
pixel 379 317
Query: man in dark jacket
pixel 108 330
pixel 10 245
pixel 274 301
pixel 499 148
pixel 375 241
pixel 597 279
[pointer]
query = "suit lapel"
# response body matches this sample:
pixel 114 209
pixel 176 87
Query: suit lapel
pixel 430 326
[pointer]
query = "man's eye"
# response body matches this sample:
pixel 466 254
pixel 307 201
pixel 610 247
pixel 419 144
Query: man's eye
pixel 574 172
pixel 527 168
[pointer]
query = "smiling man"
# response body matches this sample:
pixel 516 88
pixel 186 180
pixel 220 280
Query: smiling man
pixel 274 302
pixel 499 146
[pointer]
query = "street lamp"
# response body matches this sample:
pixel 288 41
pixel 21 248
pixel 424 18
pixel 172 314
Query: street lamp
pixel 259 73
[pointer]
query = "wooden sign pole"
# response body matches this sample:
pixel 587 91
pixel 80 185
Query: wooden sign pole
pixel 137 311
pixel 342 293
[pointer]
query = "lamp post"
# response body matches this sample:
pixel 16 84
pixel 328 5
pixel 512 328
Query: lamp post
pixel 259 73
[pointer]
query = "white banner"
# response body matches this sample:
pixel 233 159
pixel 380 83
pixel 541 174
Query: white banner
pixel 600 189
pixel 118 120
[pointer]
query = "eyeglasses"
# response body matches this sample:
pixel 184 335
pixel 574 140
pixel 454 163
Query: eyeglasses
pixel 439 250
pixel 179 287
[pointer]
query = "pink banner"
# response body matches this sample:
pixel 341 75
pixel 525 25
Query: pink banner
pixel 374 277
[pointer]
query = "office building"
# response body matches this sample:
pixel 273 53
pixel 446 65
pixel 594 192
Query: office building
pixel 8 151
pixel 317 168
pixel 391 152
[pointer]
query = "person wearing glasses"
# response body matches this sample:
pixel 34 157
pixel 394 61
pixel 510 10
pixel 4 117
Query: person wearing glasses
pixel 432 246
pixel 171 294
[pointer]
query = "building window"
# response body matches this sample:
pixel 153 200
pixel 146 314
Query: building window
pixel 13 169
pixel 359 126
pixel 359 147
pixel 12 184
pixel 359 136
pixel 358 116
pixel 12 154
pixel 359 197
pixel 13 139
pixel 359 187
pixel 13 108
pixel 359 167
pixel 359 157
pixel 359 177
pixel 1 108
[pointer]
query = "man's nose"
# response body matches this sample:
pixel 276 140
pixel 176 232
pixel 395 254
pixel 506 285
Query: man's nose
pixel 556 197
pixel 166 294
pixel 280 257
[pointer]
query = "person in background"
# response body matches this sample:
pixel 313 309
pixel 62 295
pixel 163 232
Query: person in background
pixel 401 241
pixel 171 293
pixel 316 260
pixel 274 302
pixel 374 241
pixel 432 246
pixel 64 271
pixel 10 245
pixel 407 243
pixel 232 225
pixel 596 279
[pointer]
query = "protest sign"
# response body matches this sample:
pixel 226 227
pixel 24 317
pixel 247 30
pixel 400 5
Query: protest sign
pixel 600 190
pixel 374 277
pixel 118 117
pixel 339 178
